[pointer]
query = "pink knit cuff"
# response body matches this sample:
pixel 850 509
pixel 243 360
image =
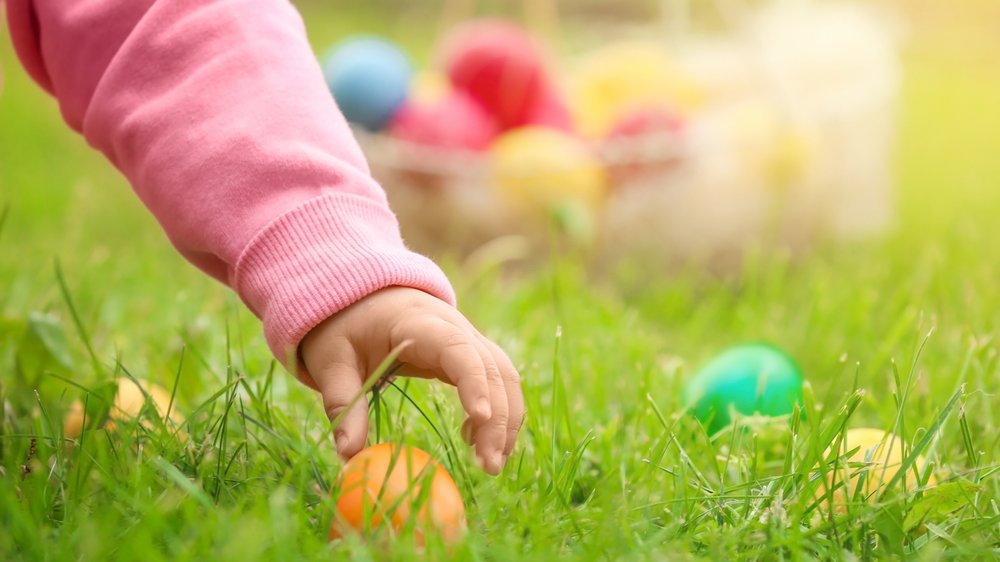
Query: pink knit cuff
pixel 320 258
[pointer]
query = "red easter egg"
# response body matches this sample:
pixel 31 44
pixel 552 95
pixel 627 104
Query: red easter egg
pixel 550 111
pixel 501 66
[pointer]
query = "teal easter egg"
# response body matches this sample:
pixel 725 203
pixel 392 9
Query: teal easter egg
pixel 749 379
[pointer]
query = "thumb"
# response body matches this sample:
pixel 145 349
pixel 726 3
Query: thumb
pixel 340 383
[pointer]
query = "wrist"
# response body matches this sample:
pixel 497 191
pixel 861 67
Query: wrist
pixel 321 257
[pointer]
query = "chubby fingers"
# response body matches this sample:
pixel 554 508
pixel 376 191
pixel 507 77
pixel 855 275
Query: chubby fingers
pixel 515 397
pixel 457 354
pixel 489 436
pixel 495 432
pixel 450 354
pixel 340 382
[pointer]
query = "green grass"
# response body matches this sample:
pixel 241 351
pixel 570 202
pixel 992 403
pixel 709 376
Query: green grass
pixel 897 332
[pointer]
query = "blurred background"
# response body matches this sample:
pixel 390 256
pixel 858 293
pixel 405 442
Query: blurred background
pixel 717 126
pixel 902 183
pixel 707 127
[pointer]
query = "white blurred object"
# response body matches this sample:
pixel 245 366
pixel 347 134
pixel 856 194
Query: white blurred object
pixel 838 72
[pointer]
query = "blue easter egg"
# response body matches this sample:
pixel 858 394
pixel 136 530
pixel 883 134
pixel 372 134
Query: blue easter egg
pixel 369 77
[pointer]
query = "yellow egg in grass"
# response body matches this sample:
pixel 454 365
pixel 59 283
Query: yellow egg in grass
pixel 130 399
pixel 73 421
pixel 619 78
pixel 128 404
pixel 865 475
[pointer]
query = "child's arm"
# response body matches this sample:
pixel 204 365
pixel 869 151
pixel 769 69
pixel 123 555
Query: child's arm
pixel 217 113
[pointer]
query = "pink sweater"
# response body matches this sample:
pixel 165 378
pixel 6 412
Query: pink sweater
pixel 217 113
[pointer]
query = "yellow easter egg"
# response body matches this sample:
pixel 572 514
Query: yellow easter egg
pixel 73 421
pixel 128 403
pixel 876 459
pixel 537 168
pixel 623 77
pixel 130 399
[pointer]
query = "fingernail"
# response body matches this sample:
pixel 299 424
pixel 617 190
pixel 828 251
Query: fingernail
pixel 483 409
pixel 498 461
pixel 342 441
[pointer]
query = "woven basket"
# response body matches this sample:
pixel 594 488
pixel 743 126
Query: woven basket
pixel 794 146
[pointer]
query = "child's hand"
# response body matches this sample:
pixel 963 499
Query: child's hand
pixel 343 351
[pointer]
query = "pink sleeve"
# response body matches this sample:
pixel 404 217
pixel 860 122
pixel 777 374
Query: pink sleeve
pixel 218 114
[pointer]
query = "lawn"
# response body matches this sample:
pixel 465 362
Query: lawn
pixel 895 332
